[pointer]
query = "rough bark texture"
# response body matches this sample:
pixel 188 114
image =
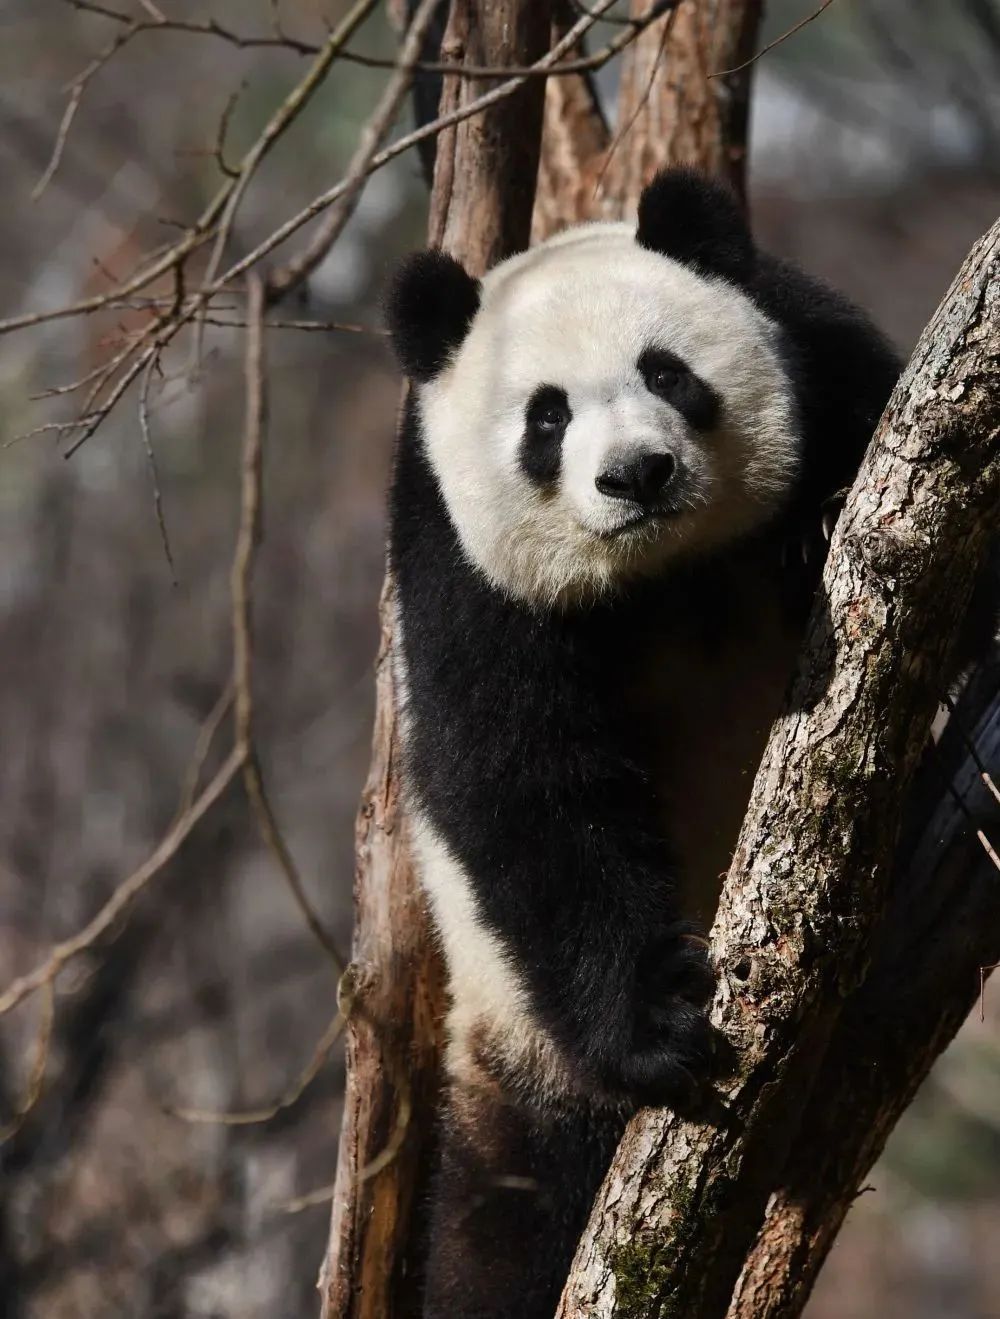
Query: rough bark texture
pixel 883 1048
pixel 574 141
pixel 481 212
pixel 486 166
pixel 673 110
pixel 396 984
pixel 810 876
pixel 941 937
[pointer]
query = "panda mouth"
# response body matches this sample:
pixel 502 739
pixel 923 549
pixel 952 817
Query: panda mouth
pixel 641 519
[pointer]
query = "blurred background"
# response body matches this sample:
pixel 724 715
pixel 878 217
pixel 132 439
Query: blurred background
pixel 875 163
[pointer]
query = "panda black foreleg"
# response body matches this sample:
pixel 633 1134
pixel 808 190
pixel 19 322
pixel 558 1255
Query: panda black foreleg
pixel 511 1196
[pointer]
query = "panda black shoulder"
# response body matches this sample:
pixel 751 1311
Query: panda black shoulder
pixel 842 368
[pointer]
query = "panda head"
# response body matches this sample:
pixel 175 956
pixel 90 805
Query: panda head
pixel 604 402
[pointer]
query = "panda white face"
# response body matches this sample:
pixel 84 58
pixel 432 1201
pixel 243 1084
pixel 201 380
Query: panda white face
pixel 608 408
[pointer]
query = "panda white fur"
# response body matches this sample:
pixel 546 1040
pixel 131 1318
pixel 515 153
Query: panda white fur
pixel 611 443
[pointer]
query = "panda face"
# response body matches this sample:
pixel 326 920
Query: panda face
pixel 604 410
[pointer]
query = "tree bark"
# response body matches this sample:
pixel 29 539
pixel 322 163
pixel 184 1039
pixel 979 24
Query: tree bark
pixel 481 207
pixel 943 935
pixel 678 105
pixel 809 883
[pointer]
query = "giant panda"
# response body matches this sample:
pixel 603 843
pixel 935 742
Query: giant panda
pixel 604 534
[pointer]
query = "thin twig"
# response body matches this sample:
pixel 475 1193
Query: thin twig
pixel 91 376
pixel 797 27
pixel 222 132
pixel 36 1076
pixel 147 440
pixel 206 736
pixel 627 127
pixel 321 1196
pixel 971 748
pixel 277 125
pixel 247 542
pixel 372 136
pixel 126 892
pixel 309 326
pixel 959 800
pixel 252 1116
pixel 93 420
pixel 65 124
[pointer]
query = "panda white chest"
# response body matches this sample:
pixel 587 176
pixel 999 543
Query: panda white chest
pixel 708 706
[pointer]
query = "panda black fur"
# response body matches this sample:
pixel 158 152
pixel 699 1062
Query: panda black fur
pixel 610 444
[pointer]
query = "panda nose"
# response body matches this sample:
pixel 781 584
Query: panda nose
pixel 642 479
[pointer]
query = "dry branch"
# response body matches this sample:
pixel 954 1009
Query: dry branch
pixel 254 1116
pixel 126 892
pixel 810 877
pixel 372 135
pixel 471 72
pixel 280 122
pixel 241 585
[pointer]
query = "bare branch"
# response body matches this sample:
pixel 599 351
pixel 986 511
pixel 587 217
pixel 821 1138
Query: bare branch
pixel 126 892
pixel 252 1116
pixel 372 135
pixel 279 123
pixel 65 124
pixel 36 1075
pixel 247 542
pixel 797 27
pixel 627 126
pixel 147 440
pixel 203 746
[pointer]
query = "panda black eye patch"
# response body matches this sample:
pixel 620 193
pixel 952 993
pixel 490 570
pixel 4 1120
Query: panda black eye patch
pixel 670 378
pixel 545 420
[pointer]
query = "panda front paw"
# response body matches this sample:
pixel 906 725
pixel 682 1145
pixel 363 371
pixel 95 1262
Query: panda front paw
pixel 673 1048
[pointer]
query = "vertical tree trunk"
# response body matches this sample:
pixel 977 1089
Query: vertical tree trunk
pixel 677 105
pixel 481 206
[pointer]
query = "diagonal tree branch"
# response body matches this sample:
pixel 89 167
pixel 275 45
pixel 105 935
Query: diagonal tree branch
pixel 810 878
pixel 941 938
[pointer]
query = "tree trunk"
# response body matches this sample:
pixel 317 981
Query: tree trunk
pixel 672 109
pixel 678 105
pixel 481 212
pixel 809 882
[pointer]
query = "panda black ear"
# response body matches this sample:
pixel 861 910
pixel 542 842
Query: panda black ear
pixel 429 307
pixel 698 222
